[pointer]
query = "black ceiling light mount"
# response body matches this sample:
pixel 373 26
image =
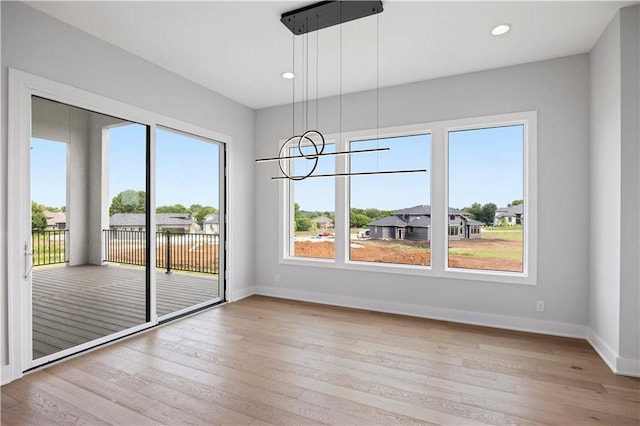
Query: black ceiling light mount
pixel 327 14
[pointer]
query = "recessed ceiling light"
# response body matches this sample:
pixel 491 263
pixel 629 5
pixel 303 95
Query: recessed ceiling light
pixel 500 29
pixel 288 75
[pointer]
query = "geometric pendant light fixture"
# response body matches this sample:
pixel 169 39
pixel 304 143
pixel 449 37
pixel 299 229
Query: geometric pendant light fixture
pixel 300 22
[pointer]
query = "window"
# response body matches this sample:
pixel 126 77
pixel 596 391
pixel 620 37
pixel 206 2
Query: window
pixel 468 217
pixel 486 173
pixel 393 207
pixel 313 205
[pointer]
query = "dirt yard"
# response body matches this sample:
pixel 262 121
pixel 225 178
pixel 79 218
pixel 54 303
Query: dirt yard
pixel 415 253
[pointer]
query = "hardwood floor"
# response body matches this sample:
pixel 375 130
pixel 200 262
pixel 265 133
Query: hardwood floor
pixel 270 361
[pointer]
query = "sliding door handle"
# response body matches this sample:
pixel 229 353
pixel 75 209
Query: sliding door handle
pixel 28 263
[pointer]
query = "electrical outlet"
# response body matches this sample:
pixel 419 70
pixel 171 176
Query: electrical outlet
pixel 277 278
pixel 540 306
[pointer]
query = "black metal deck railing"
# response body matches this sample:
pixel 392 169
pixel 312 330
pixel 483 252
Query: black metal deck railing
pixel 49 247
pixel 183 252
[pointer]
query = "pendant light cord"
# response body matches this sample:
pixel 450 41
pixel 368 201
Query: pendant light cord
pixel 378 90
pixel 340 110
pixel 317 68
pixel 306 80
pixel 293 83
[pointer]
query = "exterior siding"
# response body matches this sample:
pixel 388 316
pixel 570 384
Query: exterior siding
pixel 388 232
pixel 418 234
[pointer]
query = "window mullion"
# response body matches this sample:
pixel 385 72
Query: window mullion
pixel 439 216
pixel 342 205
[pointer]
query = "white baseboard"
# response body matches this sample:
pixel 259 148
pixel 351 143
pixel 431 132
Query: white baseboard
pixel 606 353
pixel 242 293
pixel 628 367
pixel 431 312
pixel 619 365
pixel 6 375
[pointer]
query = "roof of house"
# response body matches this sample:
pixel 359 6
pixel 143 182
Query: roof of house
pixel 453 210
pixel 510 211
pixel 421 222
pixel 414 211
pixel 321 219
pixel 389 221
pixel 162 219
pixel 422 210
pixel 211 218
pixel 53 218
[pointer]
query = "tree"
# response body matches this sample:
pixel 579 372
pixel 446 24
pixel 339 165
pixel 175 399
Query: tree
pixel 485 214
pixel 176 208
pixel 488 213
pixel 38 218
pixel 201 212
pixel 359 220
pixel 195 207
pixel 517 202
pixel 128 201
pixel 475 211
pixel 303 223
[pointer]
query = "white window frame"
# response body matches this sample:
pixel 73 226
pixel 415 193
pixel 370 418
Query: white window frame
pixel 286 225
pixel 438 169
pixel 529 261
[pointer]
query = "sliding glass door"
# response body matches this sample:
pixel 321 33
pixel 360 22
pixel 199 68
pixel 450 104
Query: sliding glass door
pixel 100 261
pixel 188 216
pixel 88 171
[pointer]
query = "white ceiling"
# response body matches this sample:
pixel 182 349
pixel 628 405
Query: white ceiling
pixel 240 49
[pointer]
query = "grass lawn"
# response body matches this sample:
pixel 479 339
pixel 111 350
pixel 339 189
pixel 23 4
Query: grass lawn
pixel 497 251
pixel 406 246
pixel 511 233
pixel 496 243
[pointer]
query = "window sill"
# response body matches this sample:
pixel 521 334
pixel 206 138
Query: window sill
pixel 491 277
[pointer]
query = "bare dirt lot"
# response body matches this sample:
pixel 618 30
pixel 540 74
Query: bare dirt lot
pixel 417 253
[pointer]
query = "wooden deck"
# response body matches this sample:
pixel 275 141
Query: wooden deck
pixel 74 305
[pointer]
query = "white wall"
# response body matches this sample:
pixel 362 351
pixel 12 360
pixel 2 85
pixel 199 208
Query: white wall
pixel 559 91
pixel 630 189
pixel 38 44
pixel 605 187
pixel 614 303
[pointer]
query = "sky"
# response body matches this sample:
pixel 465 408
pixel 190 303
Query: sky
pixel 485 166
pixel 48 172
pixel 186 167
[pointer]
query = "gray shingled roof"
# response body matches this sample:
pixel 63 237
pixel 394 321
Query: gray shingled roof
pixel 423 210
pixel 162 219
pixel 421 222
pixel 415 211
pixel 510 211
pixel 389 221
pixel 211 218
